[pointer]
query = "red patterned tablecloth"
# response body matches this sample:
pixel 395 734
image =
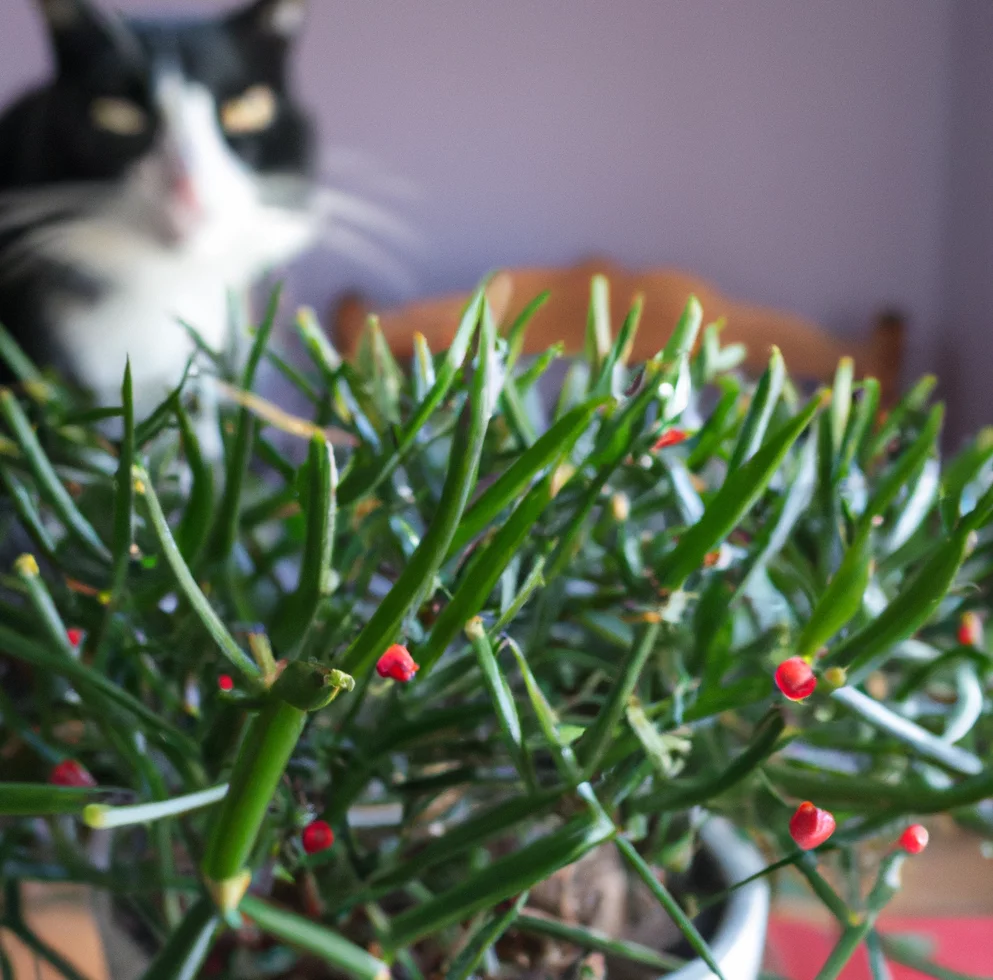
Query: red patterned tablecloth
pixel 797 949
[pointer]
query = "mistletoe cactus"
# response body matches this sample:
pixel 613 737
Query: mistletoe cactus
pixel 346 701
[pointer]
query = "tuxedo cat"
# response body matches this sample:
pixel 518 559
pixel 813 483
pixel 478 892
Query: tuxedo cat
pixel 165 166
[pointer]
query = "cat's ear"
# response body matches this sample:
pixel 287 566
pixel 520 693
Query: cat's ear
pixel 281 20
pixel 78 27
pixel 73 17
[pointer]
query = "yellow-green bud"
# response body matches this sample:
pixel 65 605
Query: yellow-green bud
pixel 563 473
pixel 27 566
pixel 620 506
pixel 474 629
pixel 310 686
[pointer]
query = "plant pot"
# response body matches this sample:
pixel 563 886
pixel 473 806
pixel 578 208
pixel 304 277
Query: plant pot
pixel 737 939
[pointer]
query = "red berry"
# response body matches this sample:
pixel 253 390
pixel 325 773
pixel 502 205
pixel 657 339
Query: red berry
pixel 970 630
pixel 914 839
pixel 225 682
pixel 75 636
pixel 810 826
pixel 671 437
pixel 795 679
pixel 398 664
pixel 316 837
pixel 71 773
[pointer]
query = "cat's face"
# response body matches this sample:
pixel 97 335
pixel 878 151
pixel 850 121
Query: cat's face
pixel 187 114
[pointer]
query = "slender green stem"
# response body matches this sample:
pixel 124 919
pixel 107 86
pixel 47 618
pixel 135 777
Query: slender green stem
pixel 552 446
pixel 671 906
pixel 188 584
pixel 807 866
pixel 922 741
pixel 845 949
pixel 316 571
pixel 485 572
pixel 759 414
pixel 12 354
pixel 345 956
pixel 740 490
pixel 49 484
pixel 27 512
pixel 39 800
pixel 506 876
pixel 362 481
pixel 194 528
pixel 41 949
pixel 44 606
pixel 721 897
pixel 229 512
pixel 599 736
pixel 416 579
pixel 836 789
pixel 482 939
pixel 587 938
pixel 764 742
pixel 265 752
pixel 98 687
pixel 502 699
pixel 877 961
pixel 105 817
pixel 186 949
pixel 534 581
pixel 124 497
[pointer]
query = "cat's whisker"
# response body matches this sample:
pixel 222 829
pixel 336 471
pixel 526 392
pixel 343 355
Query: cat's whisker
pixel 335 205
pixel 340 162
pixel 351 245
pixel 25 207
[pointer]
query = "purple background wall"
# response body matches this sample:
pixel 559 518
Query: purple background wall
pixel 797 153
pixel 964 355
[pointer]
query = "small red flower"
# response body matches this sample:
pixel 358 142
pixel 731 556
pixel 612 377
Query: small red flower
pixel 69 772
pixel 75 636
pixel 914 839
pixel 316 837
pixel 810 826
pixel 671 437
pixel 795 679
pixel 970 630
pixel 225 682
pixel 398 664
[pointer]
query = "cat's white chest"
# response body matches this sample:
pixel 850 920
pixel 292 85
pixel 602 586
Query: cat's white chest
pixel 140 318
pixel 150 290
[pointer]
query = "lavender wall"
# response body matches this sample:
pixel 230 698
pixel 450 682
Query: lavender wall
pixel 793 151
pixel 965 341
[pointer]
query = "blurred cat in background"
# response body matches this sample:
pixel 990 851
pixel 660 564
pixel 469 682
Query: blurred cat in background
pixel 165 165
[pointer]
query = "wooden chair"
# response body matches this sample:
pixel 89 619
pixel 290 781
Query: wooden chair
pixel 811 353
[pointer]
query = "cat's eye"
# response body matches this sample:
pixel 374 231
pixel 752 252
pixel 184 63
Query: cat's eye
pixel 122 117
pixel 251 112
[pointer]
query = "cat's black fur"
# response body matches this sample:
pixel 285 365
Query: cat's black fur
pixel 49 143
pixel 47 137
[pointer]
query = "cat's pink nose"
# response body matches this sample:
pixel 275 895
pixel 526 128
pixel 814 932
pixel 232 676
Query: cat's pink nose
pixel 183 208
pixel 184 195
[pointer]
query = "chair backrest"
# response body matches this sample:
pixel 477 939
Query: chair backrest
pixel 811 353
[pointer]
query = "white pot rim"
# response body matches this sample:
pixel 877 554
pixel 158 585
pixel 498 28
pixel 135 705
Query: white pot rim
pixel 739 941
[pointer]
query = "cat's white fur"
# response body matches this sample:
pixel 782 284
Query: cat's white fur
pixel 168 256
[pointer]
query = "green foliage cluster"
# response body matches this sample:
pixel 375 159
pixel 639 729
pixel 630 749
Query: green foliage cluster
pixel 596 603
